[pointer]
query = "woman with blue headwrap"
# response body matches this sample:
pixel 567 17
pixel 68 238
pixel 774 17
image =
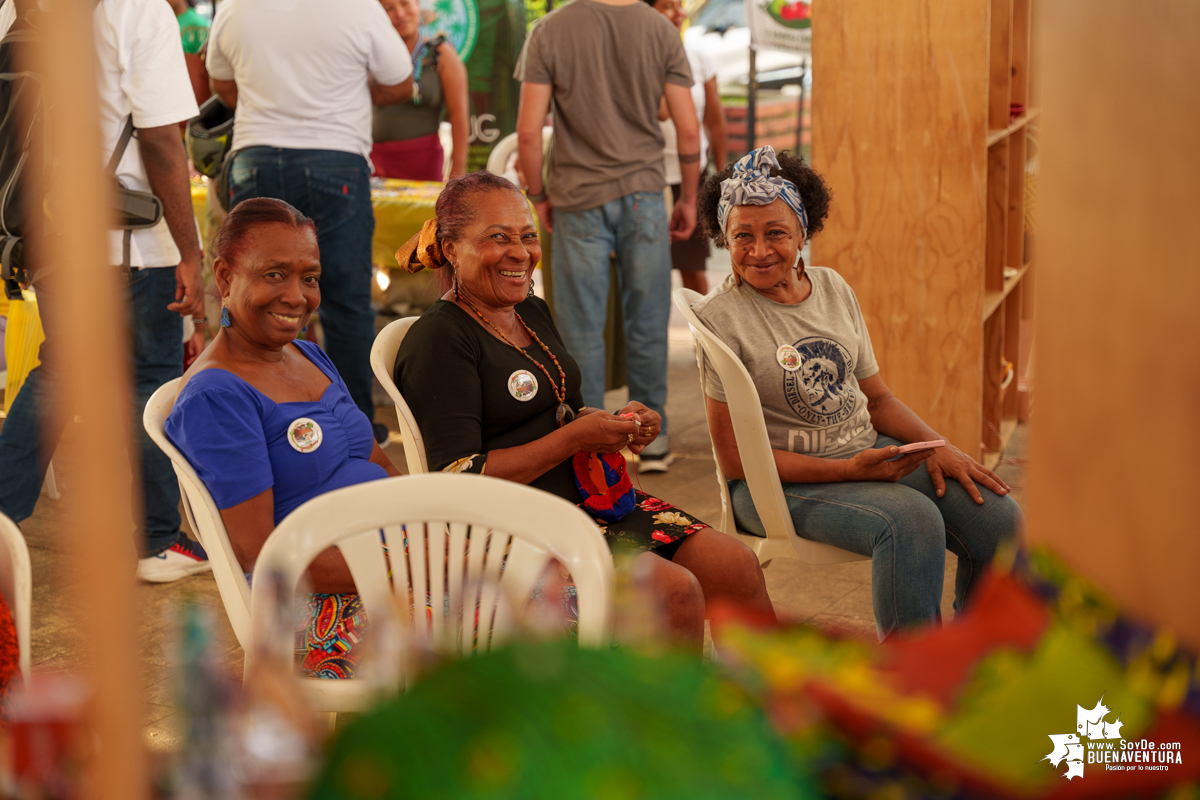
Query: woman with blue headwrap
pixel 835 427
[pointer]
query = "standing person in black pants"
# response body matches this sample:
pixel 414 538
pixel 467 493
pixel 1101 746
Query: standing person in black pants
pixel 303 83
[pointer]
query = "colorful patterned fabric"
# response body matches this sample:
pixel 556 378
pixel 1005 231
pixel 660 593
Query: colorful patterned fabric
pixel 327 646
pixel 475 464
pixel 604 485
pixel 1037 690
pixel 752 184
pixel 651 525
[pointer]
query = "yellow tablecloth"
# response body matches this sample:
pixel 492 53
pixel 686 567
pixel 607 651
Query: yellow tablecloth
pixel 401 208
pixel 22 338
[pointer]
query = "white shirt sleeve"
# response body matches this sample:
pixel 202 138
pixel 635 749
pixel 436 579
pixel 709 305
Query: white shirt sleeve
pixel 8 15
pixel 217 60
pixel 388 59
pixel 708 69
pixel 155 76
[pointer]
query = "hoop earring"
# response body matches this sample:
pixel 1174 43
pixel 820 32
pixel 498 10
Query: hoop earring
pixel 224 316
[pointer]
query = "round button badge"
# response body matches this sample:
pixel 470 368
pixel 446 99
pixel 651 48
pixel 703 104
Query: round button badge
pixel 304 435
pixel 788 357
pixel 523 385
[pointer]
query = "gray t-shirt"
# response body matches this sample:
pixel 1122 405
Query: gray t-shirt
pixel 607 65
pixel 817 409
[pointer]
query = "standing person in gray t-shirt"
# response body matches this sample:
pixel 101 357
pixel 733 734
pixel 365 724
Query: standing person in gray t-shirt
pixel 607 64
pixel 835 427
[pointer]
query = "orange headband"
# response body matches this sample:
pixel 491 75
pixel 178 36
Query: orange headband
pixel 422 250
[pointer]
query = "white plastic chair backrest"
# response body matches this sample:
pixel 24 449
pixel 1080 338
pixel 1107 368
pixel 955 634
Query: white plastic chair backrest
pixel 497 162
pixel 16 584
pixel 470 539
pixel 753 443
pixel 203 516
pixel 446 139
pixel 383 362
pixel 502 152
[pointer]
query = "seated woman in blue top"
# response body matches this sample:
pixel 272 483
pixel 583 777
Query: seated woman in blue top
pixel 265 419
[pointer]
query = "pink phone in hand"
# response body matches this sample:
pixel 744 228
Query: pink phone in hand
pixel 915 446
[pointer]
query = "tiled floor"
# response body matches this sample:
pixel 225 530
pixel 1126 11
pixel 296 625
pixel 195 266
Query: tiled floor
pixel 835 595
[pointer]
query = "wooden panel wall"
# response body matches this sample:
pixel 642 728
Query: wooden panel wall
pixel 898 131
pixel 1116 437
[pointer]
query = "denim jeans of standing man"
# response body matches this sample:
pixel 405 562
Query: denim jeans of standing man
pixel 635 228
pixel 905 528
pixel 332 187
pixel 32 431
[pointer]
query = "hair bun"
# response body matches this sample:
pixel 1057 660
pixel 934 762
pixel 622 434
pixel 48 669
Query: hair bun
pixel 423 250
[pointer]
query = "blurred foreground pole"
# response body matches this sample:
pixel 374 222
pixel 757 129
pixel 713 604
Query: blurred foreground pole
pixel 1116 447
pixel 94 365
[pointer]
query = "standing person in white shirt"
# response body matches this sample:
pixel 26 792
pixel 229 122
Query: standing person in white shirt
pixel 141 74
pixel 302 76
pixel 690 255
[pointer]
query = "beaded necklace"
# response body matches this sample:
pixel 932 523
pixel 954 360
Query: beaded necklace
pixel 564 414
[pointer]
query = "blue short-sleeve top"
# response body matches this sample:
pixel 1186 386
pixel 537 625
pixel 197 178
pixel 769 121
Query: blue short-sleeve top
pixel 236 438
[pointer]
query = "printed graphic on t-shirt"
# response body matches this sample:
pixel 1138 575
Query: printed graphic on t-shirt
pixel 826 440
pixel 818 392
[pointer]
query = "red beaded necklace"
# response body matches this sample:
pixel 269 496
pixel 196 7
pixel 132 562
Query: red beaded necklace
pixel 564 414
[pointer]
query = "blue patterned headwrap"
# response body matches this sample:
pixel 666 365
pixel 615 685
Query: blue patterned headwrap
pixel 753 185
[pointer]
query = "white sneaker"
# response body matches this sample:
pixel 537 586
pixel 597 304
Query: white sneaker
pixel 180 560
pixel 658 462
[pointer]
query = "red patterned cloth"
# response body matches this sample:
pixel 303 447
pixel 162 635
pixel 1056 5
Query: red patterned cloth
pixel 9 653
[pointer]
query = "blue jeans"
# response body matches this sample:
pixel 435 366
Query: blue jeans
pixel 905 528
pixel 332 187
pixel 32 430
pixel 635 227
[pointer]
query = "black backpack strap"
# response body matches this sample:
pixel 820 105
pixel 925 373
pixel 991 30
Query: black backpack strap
pixel 6 270
pixel 122 143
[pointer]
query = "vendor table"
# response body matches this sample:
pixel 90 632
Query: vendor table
pixel 401 208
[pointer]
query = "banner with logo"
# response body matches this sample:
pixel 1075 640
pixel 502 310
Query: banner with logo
pixel 780 24
pixel 488 35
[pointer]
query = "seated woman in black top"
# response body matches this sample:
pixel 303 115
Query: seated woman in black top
pixel 493 388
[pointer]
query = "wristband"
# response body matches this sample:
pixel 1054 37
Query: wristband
pixel 539 197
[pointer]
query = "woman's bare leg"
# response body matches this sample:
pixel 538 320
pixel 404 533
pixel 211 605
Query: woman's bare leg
pixel 680 597
pixel 727 570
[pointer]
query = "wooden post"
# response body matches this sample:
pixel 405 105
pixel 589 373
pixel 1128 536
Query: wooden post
pixel 899 136
pixel 93 346
pixel 1116 437
pixel 751 99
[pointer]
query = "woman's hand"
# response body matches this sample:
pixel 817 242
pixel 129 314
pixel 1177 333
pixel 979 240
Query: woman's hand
pixel 873 464
pixel 601 432
pixel 649 425
pixel 951 462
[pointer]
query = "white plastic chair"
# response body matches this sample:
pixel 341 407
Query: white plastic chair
pixel 383 361
pixel 16 584
pixel 203 516
pixel 502 152
pixel 446 520
pixel 754 448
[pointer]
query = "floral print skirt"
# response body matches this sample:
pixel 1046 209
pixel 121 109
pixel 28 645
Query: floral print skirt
pixel 653 525
pixel 335 624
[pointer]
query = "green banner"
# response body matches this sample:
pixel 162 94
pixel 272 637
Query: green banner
pixel 488 35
